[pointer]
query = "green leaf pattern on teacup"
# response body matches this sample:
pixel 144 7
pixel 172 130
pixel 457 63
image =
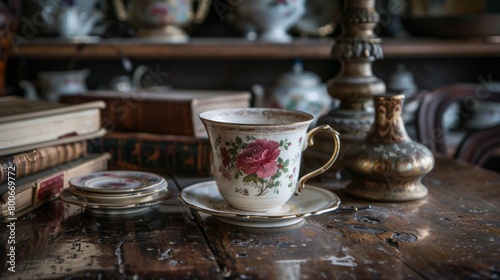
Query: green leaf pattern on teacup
pixel 257 162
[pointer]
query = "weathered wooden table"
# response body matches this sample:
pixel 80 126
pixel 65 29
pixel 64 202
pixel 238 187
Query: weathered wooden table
pixel 454 233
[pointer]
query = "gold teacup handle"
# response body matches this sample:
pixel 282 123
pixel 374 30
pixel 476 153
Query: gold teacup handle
pixel 329 163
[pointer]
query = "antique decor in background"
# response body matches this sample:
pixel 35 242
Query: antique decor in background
pixel 272 18
pixel 388 165
pixel 356 48
pixel 162 19
pixel 301 90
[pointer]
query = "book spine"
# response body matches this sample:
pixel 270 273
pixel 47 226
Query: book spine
pixel 175 155
pixel 42 189
pixel 41 159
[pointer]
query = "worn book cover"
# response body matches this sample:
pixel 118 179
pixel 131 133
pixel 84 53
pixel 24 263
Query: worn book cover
pixel 163 154
pixel 173 112
pixel 59 141
pixel 26 122
pixel 36 160
pixel 36 189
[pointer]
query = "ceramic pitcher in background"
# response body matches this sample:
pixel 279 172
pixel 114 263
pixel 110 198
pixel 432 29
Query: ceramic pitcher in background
pixel 72 22
pixel 70 19
pixel 272 17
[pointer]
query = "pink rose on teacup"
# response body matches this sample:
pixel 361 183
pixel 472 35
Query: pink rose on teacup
pixel 259 158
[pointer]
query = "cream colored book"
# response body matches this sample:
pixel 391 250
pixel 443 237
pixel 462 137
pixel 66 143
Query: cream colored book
pixel 34 190
pixel 64 140
pixel 26 122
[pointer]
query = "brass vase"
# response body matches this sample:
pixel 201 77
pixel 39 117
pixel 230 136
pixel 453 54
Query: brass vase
pixel 387 165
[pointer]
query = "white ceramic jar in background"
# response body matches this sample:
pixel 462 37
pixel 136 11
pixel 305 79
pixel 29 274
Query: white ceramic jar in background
pixel 301 90
pixel 273 18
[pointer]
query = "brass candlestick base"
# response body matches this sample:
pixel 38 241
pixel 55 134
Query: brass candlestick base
pixel 355 85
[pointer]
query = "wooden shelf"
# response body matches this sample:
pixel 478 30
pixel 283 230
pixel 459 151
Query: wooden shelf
pixel 420 47
pixel 196 48
pixel 239 48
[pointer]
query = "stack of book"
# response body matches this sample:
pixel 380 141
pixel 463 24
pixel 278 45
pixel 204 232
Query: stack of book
pixel 159 132
pixel 42 146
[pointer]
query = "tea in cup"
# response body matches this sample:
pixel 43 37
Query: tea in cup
pixel 257 154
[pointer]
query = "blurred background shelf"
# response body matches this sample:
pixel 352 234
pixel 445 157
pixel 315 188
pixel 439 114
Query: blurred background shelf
pixel 196 48
pixel 230 48
pixel 431 47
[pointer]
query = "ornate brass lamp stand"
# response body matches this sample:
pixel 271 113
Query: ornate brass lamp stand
pixel 356 48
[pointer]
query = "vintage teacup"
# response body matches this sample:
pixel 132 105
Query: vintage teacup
pixel 257 154
pixel 55 83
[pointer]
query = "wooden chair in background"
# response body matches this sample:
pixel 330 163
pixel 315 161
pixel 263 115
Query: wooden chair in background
pixel 481 147
pixel 475 146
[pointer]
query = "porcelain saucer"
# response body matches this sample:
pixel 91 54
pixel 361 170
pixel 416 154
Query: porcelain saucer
pixel 68 196
pixel 312 200
pixel 119 198
pixel 116 181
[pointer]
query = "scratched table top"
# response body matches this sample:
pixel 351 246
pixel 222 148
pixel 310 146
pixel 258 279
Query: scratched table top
pixel 453 233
